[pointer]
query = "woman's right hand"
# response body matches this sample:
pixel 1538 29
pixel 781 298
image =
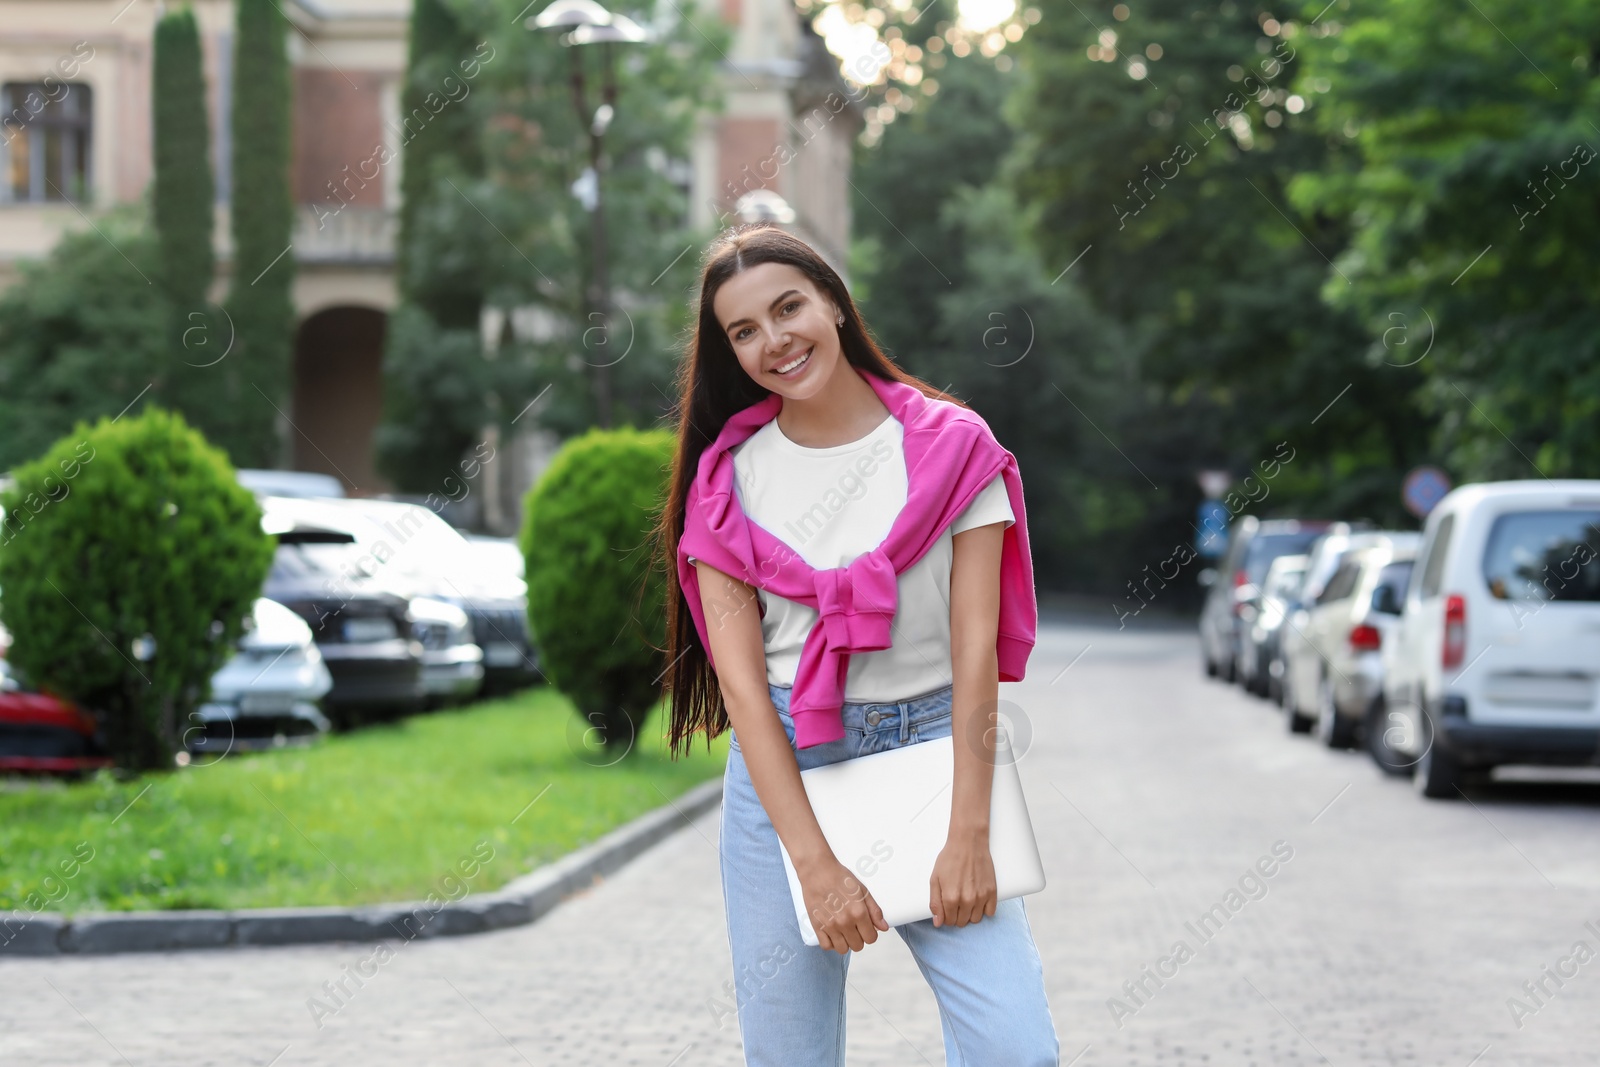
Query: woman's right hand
pixel 841 908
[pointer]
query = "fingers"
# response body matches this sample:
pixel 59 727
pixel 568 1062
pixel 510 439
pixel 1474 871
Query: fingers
pixel 850 932
pixel 960 908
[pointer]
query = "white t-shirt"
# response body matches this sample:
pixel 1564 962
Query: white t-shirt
pixel 831 505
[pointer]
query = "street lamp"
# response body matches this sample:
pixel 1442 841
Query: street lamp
pixel 763 205
pixel 585 22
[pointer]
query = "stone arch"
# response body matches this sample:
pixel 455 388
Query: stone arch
pixel 338 395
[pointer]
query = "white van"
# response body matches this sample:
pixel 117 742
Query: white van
pixel 1497 654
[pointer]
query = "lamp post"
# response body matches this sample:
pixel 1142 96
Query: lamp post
pixel 585 22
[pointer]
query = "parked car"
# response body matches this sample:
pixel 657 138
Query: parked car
pixel 1497 655
pixel 1235 585
pixel 308 484
pixel 41 733
pixel 1339 667
pixel 267 694
pixel 1299 660
pixel 452 659
pixel 498 553
pixel 361 626
pixel 1322 558
pixel 1258 660
pixel 437 561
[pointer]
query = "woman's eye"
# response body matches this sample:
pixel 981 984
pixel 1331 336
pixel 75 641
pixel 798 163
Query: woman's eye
pixel 791 304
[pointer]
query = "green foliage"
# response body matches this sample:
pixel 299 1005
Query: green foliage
pixel 442 139
pixel 181 208
pixel 260 308
pixel 183 190
pixel 435 405
pixel 1471 167
pixel 82 334
pixel 131 560
pixel 1172 187
pixel 596 607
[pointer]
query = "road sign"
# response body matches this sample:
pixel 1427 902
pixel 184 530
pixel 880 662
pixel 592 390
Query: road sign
pixel 1423 488
pixel 1211 529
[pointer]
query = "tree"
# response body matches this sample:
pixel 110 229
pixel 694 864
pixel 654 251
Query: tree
pixel 131 558
pixel 521 226
pixel 259 306
pixel 596 606
pixel 1158 147
pixel 435 377
pixel 1471 167
pixel 183 189
pixel 443 139
pixel 182 196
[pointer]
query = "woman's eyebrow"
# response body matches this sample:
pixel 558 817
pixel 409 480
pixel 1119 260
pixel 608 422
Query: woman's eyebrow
pixel 782 297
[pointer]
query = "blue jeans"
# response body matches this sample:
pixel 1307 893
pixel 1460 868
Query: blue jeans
pixel 986 976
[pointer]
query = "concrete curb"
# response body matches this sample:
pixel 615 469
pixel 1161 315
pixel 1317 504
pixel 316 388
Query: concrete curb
pixel 522 901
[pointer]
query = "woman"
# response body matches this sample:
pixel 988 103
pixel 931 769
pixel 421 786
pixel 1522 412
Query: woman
pixel 794 473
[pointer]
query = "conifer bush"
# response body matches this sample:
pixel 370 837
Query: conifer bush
pixel 130 559
pixel 596 606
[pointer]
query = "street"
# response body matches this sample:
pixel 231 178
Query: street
pixel 1325 914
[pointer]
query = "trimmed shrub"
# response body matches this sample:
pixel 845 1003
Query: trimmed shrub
pixel 130 558
pixel 596 607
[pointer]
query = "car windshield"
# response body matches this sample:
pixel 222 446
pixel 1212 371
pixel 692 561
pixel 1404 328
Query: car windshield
pixel 1284 582
pixel 1544 555
pixel 313 561
pixel 1394 577
pixel 417 542
pixel 1265 548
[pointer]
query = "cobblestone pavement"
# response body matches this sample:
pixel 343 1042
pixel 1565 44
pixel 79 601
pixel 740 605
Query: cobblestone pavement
pixel 1396 931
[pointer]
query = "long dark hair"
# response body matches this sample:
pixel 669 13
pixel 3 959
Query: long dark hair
pixel 712 388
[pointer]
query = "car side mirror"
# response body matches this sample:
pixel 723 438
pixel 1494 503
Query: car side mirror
pixel 1386 600
pixel 1207 578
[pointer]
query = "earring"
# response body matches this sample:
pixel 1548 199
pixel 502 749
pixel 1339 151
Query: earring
pixel 840 321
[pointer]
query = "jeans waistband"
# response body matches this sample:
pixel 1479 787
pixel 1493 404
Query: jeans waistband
pixel 880 716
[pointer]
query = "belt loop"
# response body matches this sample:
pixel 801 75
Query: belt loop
pixel 904 711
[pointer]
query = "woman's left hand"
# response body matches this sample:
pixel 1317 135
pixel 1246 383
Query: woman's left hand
pixel 962 885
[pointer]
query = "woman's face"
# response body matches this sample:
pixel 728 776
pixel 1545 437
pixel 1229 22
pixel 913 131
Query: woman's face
pixel 772 315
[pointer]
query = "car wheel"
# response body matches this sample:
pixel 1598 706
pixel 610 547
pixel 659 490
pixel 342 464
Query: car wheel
pixel 1293 720
pixel 1255 680
pixel 1332 729
pixel 1437 774
pixel 1389 760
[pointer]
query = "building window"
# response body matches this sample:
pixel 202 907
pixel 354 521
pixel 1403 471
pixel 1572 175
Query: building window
pixel 46 151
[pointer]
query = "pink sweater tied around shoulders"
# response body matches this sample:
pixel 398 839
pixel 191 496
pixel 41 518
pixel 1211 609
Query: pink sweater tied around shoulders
pixel 950 456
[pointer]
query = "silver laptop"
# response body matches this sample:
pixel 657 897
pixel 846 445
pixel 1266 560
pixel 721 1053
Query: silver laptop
pixel 887 816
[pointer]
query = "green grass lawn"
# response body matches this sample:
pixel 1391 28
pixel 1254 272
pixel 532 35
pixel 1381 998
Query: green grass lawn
pixel 386 813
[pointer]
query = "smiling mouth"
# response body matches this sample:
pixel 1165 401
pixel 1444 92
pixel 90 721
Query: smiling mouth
pixel 794 364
